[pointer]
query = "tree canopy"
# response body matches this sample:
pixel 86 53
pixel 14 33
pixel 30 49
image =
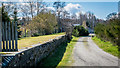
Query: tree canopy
pixel 109 31
pixel 44 23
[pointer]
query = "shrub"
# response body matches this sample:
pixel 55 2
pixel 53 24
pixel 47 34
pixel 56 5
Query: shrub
pixel 80 31
pixel 109 31
pixel 43 23
pixel 75 32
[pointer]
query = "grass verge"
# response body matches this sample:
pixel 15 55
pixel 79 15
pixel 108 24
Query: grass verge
pixel 67 59
pixel 62 56
pixel 28 41
pixel 106 46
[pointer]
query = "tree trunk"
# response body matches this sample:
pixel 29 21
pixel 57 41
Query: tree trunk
pixel 25 32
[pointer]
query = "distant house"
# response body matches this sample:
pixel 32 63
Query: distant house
pixel 75 24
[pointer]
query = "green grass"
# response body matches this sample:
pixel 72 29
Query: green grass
pixel 28 41
pixel 106 46
pixel 67 59
pixel 62 56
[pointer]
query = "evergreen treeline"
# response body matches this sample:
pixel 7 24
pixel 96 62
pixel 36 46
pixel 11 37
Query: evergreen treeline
pixel 109 31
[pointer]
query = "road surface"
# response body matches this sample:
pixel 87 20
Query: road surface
pixel 87 53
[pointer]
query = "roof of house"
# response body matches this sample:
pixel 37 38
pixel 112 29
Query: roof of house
pixel 76 24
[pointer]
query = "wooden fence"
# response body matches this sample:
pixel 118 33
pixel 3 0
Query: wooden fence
pixel 9 36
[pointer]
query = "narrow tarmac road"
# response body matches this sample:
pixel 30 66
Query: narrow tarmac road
pixel 87 53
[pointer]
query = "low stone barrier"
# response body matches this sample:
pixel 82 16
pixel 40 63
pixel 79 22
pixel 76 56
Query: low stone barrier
pixel 32 56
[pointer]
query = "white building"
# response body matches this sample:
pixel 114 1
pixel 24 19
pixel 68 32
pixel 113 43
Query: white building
pixel 76 24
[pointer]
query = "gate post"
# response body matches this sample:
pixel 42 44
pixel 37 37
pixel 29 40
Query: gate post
pixel 3 36
pixel 0 39
pixel 0 30
pixel 0 36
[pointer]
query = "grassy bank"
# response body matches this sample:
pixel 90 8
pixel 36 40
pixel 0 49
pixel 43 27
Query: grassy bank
pixel 28 41
pixel 62 56
pixel 67 59
pixel 106 46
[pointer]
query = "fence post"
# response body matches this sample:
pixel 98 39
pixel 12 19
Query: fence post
pixel 16 37
pixel 3 36
pixel 13 36
pixel 6 36
pixel 9 29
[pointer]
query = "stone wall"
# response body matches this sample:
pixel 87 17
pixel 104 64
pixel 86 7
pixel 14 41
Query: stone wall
pixel 31 56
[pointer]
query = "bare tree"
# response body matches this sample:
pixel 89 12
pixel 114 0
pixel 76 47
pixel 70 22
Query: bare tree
pixel 39 5
pixel 65 14
pixel 59 6
pixel 9 8
pixel 31 7
pixel 91 19
pixel 80 18
pixel 24 10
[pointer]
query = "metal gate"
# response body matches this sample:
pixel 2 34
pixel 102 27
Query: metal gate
pixel 8 36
